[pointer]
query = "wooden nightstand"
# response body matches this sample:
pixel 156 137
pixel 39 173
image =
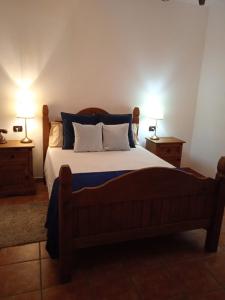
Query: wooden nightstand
pixel 16 169
pixel 167 148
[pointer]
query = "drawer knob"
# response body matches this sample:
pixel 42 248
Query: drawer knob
pixel 12 156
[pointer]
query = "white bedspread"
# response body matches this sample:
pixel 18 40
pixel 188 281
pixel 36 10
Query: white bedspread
pixel 136 158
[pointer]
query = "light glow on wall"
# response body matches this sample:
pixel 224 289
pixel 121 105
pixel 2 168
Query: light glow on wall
pixel 24 83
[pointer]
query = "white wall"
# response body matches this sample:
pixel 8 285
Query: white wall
pixel 208 142
pixel 114 54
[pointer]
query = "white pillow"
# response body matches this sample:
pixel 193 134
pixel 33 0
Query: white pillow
pixel 88 138
pixel 115 137
pixel 56 135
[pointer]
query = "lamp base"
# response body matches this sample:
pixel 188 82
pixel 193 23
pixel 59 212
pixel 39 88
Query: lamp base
pixel 26 140
pixel 154 138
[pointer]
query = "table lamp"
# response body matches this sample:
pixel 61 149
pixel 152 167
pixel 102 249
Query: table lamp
pixel 25 111
pixel 157 115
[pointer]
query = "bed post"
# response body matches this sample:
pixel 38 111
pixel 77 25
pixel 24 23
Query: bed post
pixel 65 223
pixel 213 232
pixel 136 114
pixel 46 129
pixel 135 119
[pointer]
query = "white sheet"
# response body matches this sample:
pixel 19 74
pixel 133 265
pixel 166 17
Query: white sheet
pixel 136 158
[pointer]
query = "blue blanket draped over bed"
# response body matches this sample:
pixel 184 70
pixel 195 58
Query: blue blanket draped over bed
pixel 79 181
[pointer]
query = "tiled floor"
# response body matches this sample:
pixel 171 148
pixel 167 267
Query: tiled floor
pixel 166 268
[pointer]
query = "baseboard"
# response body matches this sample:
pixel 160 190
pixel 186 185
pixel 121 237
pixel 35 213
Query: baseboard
pixel 39 179
pixel 189 170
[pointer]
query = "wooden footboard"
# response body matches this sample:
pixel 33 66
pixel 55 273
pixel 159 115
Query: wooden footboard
pixel 139 204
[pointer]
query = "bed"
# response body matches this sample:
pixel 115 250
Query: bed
pixel 141 200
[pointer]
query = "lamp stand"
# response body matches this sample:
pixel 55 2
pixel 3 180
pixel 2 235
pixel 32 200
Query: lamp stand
pixel 26 140
pixel 155 137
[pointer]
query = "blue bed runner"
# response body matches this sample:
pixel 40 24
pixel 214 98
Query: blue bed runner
pixel 79 181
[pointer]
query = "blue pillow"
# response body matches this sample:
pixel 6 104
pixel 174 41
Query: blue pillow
pixel 119 119
pixel 68 132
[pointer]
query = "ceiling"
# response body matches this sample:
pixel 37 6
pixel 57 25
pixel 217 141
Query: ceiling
pixel 196 2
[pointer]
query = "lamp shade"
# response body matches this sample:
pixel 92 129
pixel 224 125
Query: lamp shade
pixel 25 112
pixel 156 114
pixel 25 105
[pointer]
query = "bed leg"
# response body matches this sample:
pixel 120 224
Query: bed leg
pixel 212 240
pixel 213 232
pixel 65 269
pixel 65 224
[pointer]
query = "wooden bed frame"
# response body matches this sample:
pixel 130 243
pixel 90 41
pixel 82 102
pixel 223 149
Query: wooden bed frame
pixel 139 204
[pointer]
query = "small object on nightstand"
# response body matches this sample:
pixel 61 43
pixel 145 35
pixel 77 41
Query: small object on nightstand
pixel 16 169
pixel 167 148
pixel 2 138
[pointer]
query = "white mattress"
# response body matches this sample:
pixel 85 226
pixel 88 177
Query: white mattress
pixel 136 158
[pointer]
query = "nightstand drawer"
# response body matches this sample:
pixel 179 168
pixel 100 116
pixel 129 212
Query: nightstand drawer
pixel 15 155
pixel 17 175
pixel 168 150
pixel 16 169
pixel 173 161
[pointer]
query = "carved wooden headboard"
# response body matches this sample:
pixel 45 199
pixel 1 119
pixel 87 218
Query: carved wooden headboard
pixel 87 111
